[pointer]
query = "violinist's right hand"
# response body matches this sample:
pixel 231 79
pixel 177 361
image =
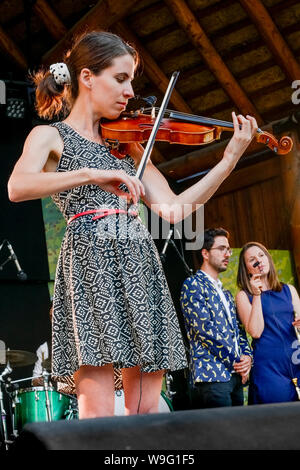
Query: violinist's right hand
pixel 245 129
pixel 256 284
pixel 110 180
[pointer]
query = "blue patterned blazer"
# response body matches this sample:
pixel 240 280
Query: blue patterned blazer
pixel 210 334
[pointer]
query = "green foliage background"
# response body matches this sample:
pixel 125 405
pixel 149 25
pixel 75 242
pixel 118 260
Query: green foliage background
pixel 283 263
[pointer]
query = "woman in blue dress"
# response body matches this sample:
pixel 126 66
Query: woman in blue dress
pixel 270 312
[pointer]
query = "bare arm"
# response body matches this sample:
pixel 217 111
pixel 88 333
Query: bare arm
pixel 34 174
pixel 251 315
pixel 174 207
pixel 296 305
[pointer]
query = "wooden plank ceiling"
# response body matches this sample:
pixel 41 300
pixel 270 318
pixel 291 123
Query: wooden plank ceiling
pixel 232 55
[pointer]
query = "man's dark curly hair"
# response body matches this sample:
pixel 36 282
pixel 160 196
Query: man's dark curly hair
pixel 209 238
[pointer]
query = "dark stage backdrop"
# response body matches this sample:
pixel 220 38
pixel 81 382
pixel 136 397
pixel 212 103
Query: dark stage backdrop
pixel 24 305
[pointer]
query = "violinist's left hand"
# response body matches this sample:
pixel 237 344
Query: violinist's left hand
pixel 245 129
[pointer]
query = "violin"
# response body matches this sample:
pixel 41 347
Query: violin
pixel 178 128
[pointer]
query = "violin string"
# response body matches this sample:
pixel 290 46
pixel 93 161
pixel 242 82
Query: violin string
pixel 196 118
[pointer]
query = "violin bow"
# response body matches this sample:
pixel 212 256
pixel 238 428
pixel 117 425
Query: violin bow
pixel 160 115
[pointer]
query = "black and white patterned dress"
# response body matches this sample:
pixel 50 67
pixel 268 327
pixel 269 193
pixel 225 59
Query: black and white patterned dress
pixel 111 301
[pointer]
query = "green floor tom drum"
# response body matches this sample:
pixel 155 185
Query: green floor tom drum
pixel 30 406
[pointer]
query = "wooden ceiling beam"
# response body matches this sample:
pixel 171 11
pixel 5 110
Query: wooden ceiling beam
pixel 230 55
pixel 255 93
pixel 276 112
pixel 101 16
pixel 236 51
pixel 272 38
pixel 214 62
pixel 243 177
pixel 151 68
pixel 50 19
pixel 12 50
pixel 209 11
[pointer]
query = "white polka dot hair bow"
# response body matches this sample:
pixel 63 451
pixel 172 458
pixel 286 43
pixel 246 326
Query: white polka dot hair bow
pixel 61 73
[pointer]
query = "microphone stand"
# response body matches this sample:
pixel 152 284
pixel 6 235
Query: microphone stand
pixel 187 268
pixel 8 259
pixel 12 257
pixel 46 387
pixel 162 255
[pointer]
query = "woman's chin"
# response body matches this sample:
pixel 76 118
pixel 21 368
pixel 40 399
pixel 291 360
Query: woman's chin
pixel 111 116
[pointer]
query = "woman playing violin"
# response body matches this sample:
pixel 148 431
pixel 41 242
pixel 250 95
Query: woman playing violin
pixel 112 309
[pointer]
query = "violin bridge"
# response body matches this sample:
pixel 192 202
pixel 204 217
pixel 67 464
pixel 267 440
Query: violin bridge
pixel 218 132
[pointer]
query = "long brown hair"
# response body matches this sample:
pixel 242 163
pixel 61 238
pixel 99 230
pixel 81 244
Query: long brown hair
pixel 96 51
pixel 243 280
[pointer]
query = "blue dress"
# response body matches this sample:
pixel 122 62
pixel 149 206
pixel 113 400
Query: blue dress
pixel 275 360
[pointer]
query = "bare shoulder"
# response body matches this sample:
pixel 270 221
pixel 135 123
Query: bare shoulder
pixel 293 290
pixel 241 296
pixel 42 148
pixel 44 134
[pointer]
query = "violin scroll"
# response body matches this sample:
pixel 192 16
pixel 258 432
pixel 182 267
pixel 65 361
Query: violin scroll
pixel 282 147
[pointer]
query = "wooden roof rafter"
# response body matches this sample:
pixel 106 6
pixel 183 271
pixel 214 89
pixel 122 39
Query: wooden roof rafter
pixel 231 54
pixel 275 10
pixel 50 19
pixel 189 23
pixel 272 38
pixel 153 71
pixel 12 50
pixel 151 68
pixel 101 16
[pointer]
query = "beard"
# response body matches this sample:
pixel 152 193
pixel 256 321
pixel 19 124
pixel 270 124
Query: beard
pixel 222 268
pixel 218 266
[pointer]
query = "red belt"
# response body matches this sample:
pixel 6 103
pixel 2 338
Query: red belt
pixel 104 213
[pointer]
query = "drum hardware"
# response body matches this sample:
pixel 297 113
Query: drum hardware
pixel 164 406
pixel 46 364
pixel 45 375
pixel 23 380
pixel 6 372
pixel 72 411
pixel 15 401
pixel 169 379
pixel 30 406
pixel 19 358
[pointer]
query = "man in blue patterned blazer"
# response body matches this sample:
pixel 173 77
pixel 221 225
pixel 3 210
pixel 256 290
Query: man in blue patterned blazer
pixel 220 356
